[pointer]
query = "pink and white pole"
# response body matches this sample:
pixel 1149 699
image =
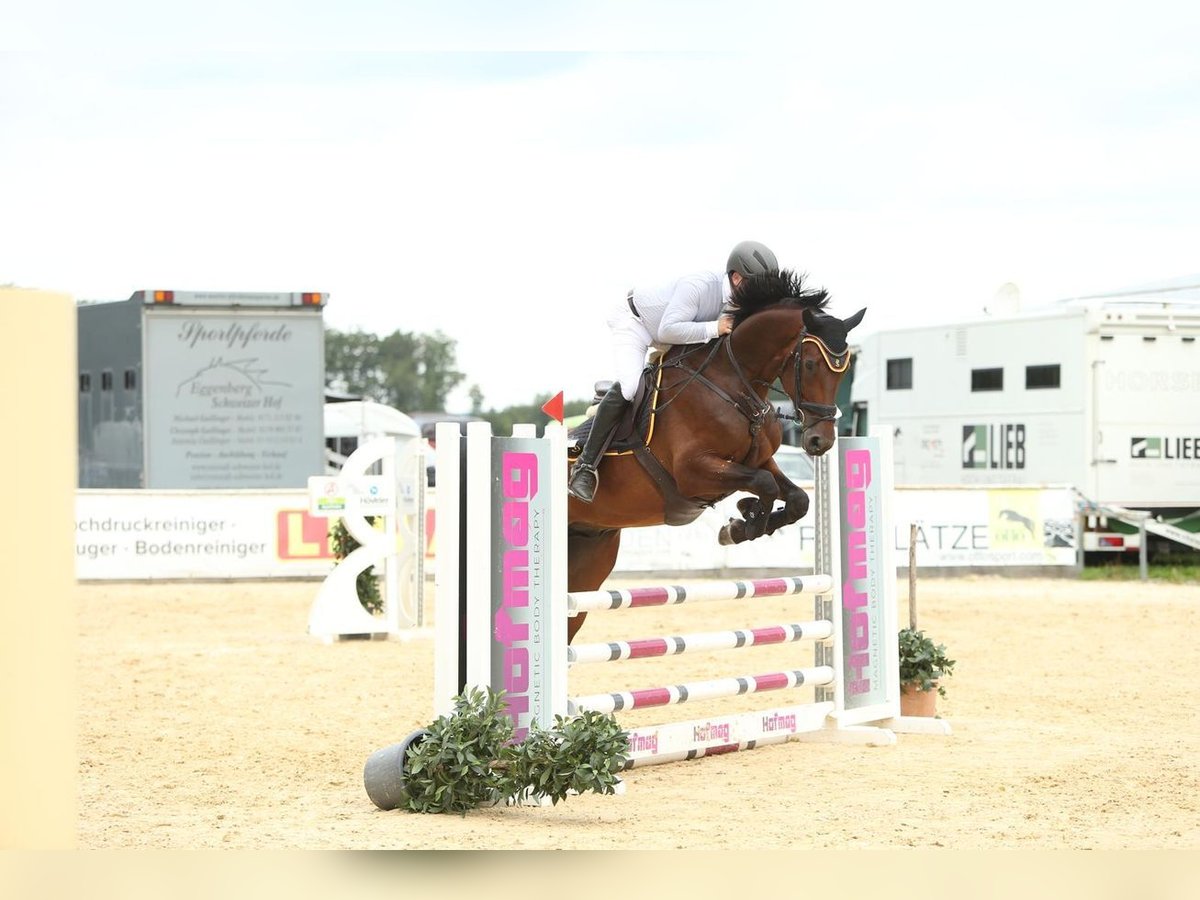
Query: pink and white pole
pixel 673 645
pixel 701 690
pixel 630 598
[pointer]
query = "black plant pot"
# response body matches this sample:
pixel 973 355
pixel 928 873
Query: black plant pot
pixel 384 773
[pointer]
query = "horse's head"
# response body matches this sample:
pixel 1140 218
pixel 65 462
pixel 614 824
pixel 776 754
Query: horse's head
pixel 813 374
pixel 801 344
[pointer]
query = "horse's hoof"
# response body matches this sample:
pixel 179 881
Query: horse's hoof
pixel 729 533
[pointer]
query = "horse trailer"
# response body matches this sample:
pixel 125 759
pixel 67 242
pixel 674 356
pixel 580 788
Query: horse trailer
pixel 201 390
pixel 1099 393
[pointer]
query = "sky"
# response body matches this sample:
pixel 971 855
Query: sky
pixel 501 174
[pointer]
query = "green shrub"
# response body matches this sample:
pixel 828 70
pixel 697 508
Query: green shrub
pixel 468 758
pixel 922 662
pixel 367 583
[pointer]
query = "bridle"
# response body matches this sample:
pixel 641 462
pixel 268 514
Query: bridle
pixel 810 414
pixel 755 409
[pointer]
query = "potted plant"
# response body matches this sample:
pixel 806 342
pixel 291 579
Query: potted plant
pixel 469 759
pixel 367 583
pixel 922 666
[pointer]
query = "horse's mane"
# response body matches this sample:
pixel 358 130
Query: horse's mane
pixel 784 287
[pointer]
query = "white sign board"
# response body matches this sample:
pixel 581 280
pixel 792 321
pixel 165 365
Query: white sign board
pixel 233 399
pixel 145 535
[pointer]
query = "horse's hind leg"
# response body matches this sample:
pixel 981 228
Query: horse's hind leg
pixel 591 556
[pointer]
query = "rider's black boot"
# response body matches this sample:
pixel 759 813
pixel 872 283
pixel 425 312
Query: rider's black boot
pixel 584 479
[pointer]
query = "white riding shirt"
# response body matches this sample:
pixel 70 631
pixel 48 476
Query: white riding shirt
pixel 683 311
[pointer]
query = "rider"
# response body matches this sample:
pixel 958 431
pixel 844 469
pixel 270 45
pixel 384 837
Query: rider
pixel 687 310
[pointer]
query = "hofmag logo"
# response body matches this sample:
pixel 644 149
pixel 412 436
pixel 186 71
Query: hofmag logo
pixel 1164 447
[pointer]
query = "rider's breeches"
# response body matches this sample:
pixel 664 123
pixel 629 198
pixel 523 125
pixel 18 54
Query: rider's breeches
pixel 630 342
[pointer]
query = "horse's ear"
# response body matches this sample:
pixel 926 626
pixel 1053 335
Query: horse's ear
pixel 855 319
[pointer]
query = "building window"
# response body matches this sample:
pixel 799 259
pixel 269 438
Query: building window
pixel 85 382
pixel 1042 377
pixel 130 379
pixel 899 374
pixel 106 381
pixel 987 379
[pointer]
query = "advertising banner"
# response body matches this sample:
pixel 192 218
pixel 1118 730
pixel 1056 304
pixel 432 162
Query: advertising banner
pixel 147 535
pixel 994 526
pixel 956 527
pixel 865 596
pixel 136 535
pixel 521 578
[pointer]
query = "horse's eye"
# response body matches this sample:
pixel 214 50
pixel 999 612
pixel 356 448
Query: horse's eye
pixel 810 365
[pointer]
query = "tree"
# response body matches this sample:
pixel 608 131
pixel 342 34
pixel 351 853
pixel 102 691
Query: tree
pixel 476 394
pixel 352 363
pixel 407 371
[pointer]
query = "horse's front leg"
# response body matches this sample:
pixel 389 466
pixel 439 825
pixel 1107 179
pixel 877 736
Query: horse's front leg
pixel 733 477
pixel 795 500
pixel 591 555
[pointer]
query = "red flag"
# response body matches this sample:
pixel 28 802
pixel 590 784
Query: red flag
pixel 554 407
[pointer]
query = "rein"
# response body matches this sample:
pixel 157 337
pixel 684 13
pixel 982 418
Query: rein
pixel 756 410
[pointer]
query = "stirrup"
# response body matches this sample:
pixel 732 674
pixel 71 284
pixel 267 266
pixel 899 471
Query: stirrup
pixel 583 482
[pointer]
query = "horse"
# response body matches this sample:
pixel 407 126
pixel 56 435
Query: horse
pixel 712 432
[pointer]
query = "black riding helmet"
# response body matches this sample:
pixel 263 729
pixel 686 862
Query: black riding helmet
pixel 751 258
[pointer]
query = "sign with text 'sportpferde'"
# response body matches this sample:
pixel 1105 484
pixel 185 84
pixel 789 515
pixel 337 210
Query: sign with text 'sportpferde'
pixel 233 399
pixel 521 579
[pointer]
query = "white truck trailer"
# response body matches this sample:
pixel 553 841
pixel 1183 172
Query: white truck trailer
pixel 1100 393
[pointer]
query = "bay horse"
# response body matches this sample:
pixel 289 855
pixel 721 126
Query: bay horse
pixel 712 432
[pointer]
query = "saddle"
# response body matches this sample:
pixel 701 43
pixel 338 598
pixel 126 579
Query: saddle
pixel 634 426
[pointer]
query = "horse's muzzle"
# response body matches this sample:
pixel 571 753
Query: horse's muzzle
pixel 814 443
